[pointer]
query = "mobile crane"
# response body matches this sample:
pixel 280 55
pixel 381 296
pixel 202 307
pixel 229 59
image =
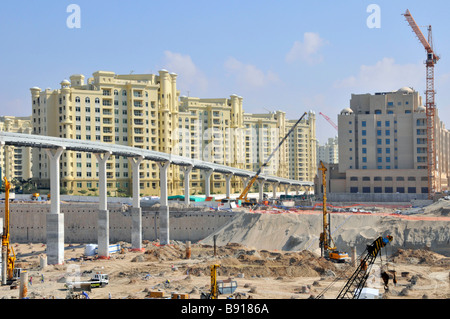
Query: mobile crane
pixel 243 196
pixel 327 247
pixel 9 273
pixel 355 284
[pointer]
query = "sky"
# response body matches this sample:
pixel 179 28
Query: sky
pixel 292 56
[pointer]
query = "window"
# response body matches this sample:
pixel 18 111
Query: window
pixel 366 189
pixel 77 99
pixel 379 160
pixel 366 178
pixel 388 141
pixel 363 123
pixel 363 132
pixel 364 150
pixel 364 159
pixel 378 132
pixel 388 132
pixel 388 159
pixel 379 150
pixel 388 189
pixel 353 190
pixel 378 141
pixel 411 190
pixel 364 142
pixel 400 190
pixel 377 190
pixel 387 123
pixel 87 100
pixel 378 123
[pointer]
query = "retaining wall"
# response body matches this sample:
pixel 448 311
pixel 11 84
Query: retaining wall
pixel 28 223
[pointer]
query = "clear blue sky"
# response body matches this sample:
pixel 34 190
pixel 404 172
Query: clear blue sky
pixel 279 55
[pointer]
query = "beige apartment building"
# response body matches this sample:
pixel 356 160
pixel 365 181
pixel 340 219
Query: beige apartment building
pixel 15 162
pixel 383 144
pixel 146 111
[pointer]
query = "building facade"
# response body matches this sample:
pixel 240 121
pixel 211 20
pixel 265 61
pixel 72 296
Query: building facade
pixel 146 111
pixel 15 162
pixel 329 152
pixel 383 144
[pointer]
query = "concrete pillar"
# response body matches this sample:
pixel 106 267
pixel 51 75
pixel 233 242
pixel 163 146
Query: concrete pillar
pixel 286 189
pixel 261 190
pixel 54 219
pixel 208 174
pixel 186 170
pixel 136 211
pixel 103 213
pixel 23 289
pixel 274 189
pixel 228 184
pixel 164 204
pixel 296 190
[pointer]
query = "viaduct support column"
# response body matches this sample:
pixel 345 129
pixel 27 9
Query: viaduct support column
pixel 103 213
pixel 274 189
pixel 286 189
pixel 208 174
pixel 55 220
pixel 164 204
pixel 261 190
pixel 228 184
pixel 136 211
pixel 186 170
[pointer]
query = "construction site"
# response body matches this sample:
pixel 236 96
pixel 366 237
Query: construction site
pixel 289 246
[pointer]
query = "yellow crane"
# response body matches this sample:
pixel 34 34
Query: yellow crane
pixel 327 247
pixel 8 258
pixel 243 196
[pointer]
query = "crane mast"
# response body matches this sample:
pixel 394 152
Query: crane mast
pixel 431 60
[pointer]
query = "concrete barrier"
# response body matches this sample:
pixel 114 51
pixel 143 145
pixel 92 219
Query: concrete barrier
pixel 28 222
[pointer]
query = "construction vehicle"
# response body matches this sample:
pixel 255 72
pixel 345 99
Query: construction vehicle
pixel 98 280
pixel 36 196
pixel 357 281
pixel 326 243
pixel 243 196
pixel 431 60
pixel 9 273
pixel 355 284
pixel 218 287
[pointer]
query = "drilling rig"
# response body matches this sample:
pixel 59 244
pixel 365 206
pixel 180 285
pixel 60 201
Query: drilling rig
pixel 327 247
pixel 431 60
pixel 9 273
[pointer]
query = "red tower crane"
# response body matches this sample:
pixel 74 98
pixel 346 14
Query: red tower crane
pixel 431 60
pixel 329 120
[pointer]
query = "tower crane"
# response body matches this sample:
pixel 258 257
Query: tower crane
pixel 329 120
pixel 431 60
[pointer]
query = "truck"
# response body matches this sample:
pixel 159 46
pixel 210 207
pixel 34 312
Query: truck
pixel 98 280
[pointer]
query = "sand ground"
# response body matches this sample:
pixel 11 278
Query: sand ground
pixel 260 274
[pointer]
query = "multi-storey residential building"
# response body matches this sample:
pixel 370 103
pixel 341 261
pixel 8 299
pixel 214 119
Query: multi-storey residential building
pixel 134 110
pixel 329 152
pixel 146 111
pixel 301 149
pixel 383 144
pixel 15 162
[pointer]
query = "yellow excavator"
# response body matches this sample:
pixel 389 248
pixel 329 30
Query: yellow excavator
pixel 9 274
pixel 327 246
pixel 243 196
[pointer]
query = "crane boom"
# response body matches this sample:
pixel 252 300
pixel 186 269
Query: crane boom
pixel 244 194
pixel 431 60
pixel 329 120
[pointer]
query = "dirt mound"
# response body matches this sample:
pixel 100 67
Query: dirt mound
pixel 420 256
